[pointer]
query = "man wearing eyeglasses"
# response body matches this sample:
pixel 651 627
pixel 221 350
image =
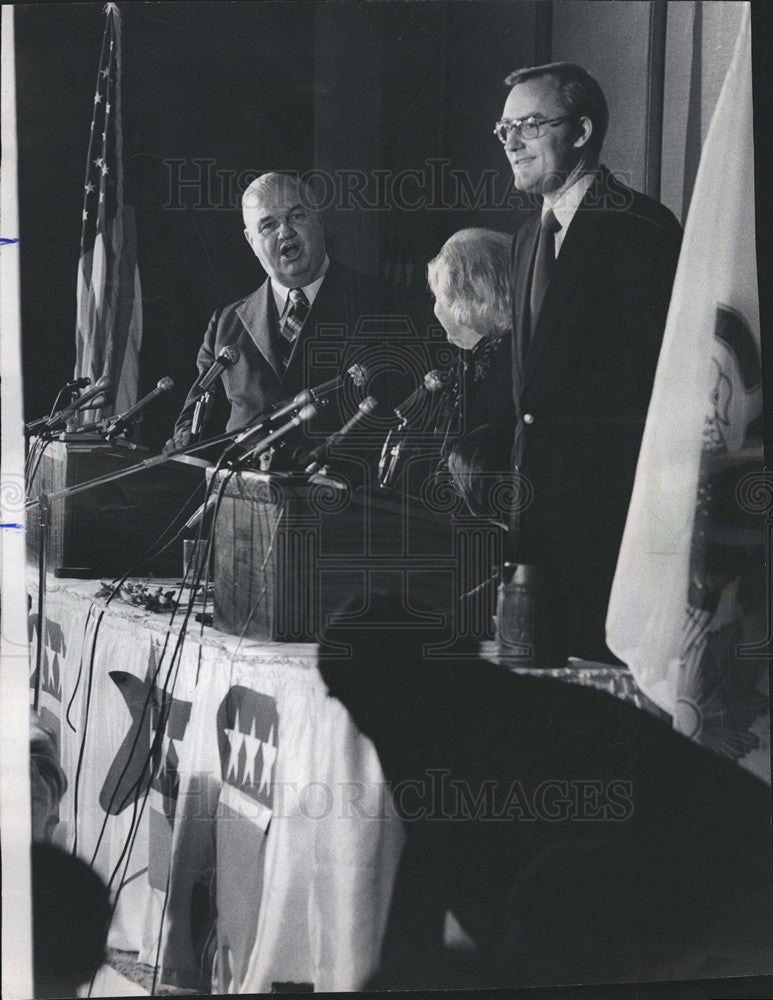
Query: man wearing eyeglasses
pixel 592 277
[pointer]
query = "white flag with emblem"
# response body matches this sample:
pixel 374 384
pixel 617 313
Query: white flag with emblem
pixel 687 609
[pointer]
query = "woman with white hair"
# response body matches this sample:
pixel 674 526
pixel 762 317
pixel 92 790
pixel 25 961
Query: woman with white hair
pixel 470 281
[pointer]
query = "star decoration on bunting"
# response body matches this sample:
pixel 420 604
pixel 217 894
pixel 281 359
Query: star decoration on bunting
pixel 52 673
pixel 248 733
pixel 252 745
pixel 89 187
pixel 269 756
pixel 97 98
pixel 236 740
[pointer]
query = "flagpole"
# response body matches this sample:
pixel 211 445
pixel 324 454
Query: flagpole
pixel 15 803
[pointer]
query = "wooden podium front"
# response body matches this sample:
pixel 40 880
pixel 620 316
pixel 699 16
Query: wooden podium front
pixel 103 531
pixel 291 549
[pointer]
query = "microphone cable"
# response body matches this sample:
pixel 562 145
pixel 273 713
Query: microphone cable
pixel 146 705
pixel 157 743
pixel 152 551
pixel 148 698
pixel 108 815
pixel 38 450
pixel 165 695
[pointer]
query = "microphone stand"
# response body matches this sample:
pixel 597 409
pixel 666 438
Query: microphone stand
pixel 390 454
pixel 43 504
pixel 33 425
pixel 148 463
pixel 44 510
pixel 200 414
pixel 44 501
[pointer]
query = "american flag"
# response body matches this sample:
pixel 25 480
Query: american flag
pixel 109 319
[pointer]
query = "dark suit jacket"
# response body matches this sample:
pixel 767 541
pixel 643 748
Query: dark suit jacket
pixel 581 395
pixel 482 393
pixel 487 387
pixel 341 328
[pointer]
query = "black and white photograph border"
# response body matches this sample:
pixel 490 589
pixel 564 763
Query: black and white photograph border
pixel 385 531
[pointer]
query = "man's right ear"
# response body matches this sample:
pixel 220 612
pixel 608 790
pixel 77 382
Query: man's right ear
pixel 586 129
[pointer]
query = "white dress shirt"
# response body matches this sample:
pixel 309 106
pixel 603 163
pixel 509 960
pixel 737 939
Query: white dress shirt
pixel 310 291
pixel 565 206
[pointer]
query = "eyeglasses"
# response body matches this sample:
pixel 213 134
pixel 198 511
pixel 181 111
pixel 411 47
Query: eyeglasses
pixel 525 128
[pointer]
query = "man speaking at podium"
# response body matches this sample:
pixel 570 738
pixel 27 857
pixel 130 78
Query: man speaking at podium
pixel 271 328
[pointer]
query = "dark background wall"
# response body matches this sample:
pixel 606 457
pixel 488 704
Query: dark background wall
pixel 346 89
pixel 334 87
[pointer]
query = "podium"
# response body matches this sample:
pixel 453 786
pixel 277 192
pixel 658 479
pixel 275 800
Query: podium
pixel 290 549
pixel 102 531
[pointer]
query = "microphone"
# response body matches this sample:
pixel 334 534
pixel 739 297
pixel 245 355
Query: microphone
pixel 227 357
pixel 389 462
pixel 311 459
pixel 200 414
pixel 74 386
pixel 117 425
pixel 59 419
pixel 201 511
pixel 433 381
pixel 304 414
pixel 77 383
pixel 357 373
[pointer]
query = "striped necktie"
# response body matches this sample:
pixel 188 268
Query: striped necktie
pixel 291 328
pixel 544 260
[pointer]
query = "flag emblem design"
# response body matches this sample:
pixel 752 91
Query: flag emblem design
pixel 247 726
pixel 247 734
pixel 54 653
pixel 148 754
pixel 717 698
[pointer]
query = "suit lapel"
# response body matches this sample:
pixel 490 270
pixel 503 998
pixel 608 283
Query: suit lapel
pixel 259 316
pixel 258 313
pixel 521 290
pixel 329 302
pixel 576 252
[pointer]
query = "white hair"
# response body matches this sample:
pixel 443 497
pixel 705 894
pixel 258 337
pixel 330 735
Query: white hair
pixel 473 272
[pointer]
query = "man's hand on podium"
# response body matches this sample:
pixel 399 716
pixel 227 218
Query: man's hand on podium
pixel 181 438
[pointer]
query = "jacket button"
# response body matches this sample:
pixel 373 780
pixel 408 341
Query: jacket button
pixel 528 418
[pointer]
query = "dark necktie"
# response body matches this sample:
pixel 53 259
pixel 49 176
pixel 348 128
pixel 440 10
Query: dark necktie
pixel 293 323
pixel 544 260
